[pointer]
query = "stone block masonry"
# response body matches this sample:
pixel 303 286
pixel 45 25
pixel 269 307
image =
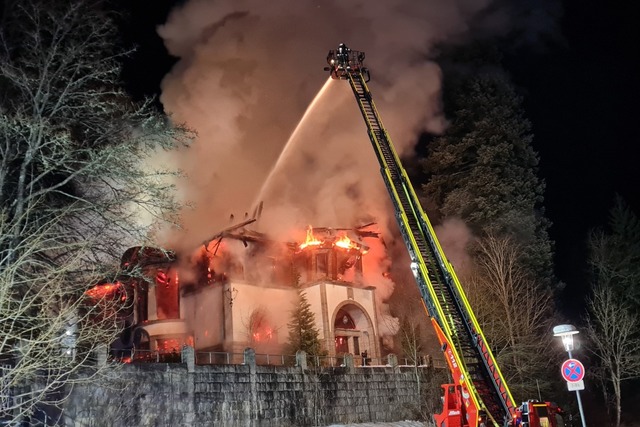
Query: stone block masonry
pixel 245 395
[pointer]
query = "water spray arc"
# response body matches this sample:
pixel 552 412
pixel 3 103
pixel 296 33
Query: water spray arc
pixel 290 143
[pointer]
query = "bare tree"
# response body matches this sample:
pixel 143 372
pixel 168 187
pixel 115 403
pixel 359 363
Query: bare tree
pixel 411 336
pixel 414 338
pixel 613 328
pixel 514 311
pixel 261 334
pixel 75 182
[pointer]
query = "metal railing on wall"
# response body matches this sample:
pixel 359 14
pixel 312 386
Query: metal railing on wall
pixel 145 356
pixel 266 359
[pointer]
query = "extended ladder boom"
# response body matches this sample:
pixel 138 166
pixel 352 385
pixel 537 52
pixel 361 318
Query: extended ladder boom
pixel 471 362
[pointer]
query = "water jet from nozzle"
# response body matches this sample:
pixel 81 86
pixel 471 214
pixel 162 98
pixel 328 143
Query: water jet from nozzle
pixel 290 143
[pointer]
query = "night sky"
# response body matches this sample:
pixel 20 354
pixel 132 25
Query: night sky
pixel 581 93
pixel 582 97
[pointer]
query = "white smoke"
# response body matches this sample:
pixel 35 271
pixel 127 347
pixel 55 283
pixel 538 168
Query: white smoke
pixel 455 237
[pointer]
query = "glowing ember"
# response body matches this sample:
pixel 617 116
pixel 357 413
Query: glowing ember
pixel 162 278
pixel 99 292
pixel 266 334
pixel 168 345
pixel 311 239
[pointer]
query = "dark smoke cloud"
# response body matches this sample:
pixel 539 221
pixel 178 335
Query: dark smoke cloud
pixel 534 23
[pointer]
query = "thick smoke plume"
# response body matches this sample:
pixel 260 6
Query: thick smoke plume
pixel 248 70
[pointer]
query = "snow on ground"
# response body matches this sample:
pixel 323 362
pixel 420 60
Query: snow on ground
pixel 394 424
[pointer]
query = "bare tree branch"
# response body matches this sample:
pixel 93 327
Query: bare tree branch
pixel 74 181
pixel 515 313
pixel 613 329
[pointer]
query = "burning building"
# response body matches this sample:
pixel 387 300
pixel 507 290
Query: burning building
pixel 240 288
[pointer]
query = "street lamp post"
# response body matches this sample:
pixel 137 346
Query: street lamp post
pixel 566 333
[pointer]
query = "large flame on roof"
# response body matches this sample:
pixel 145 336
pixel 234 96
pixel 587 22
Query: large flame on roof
pixel 345 242
pixel 311 239
pixel 332 240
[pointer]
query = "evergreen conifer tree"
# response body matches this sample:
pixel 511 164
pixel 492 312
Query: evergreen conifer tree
pixel 483 169
pixel 615 255
pixel 303 334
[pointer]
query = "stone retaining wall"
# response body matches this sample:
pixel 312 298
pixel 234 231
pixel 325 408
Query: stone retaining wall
pixel 246 395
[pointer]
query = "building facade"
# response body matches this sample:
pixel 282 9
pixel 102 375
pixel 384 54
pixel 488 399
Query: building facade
pixel 240 292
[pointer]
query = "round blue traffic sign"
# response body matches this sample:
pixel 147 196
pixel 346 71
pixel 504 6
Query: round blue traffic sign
pixel 572 370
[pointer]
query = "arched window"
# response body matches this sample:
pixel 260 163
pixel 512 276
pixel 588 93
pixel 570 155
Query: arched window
pixel 344 320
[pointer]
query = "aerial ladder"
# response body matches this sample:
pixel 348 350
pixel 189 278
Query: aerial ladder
pixel 479 395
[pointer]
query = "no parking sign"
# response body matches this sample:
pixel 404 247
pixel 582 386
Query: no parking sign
pixel 572 370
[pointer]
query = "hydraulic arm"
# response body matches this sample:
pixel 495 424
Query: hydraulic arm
pixel 486 399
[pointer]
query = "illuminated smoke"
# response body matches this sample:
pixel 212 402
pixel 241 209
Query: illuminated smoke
pixel 247 72
pixel 455 237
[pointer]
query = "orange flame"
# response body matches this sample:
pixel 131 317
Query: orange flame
pixel 266 334
pixel 99 292
pixel 311 239
pixel 168 345
pixel 345 243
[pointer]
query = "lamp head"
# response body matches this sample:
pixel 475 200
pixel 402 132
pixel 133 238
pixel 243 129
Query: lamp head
pixel 566 333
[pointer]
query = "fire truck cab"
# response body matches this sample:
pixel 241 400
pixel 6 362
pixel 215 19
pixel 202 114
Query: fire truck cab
pixel 535 413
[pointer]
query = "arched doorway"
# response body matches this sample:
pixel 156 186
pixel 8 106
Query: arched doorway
pixel 352 331
pixel 344 324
